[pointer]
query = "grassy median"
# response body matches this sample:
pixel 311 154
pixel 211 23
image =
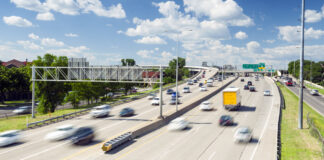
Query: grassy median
pixel 298 144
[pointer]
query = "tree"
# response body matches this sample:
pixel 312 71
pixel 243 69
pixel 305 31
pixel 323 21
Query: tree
pixel 170 72
pixel 128 62
pixel 4 83
pixel 74 98
pixel 50 94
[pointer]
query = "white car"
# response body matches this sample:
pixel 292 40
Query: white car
pixel 314 92
pixel 61 133
pixel 190 82
pixel 100 111
pixel 155 101
pixel 266 93
pixel 205 106
pixel 151 96
pixel 186 90
pixel 243 134
pixel 9 137
pixel 178 124
pixel 203 88
pixel 23 110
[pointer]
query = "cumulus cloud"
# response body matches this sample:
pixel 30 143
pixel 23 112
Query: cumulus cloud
pixel 241 35
pixel 226 11
pixel 313 16
pixel 253 47
pixel 46 16
pixel 51 42
pixel 29 45
pixel 33 36
pixel 70 7
pixel 71 35
pixel 17 21
pixel 151 40
pixel 145 53
pixel 291 34
pixel 270 41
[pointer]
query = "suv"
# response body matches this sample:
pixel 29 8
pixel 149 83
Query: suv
pixel 100 111
pixel 83 135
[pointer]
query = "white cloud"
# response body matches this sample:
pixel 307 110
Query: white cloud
pixel 46 16
pixel 151 40
pixel 70 7
pixel 253 47
pixel 29 45
pixel 226 11
pixel 70 51
pixel 241 35
pixel 292 34
pixel 313 16
pixel 166 55
pixel 17 21
pixel 71 35
pixel 145 53
pixel 270 41
pixel 33 36
pixel 51 42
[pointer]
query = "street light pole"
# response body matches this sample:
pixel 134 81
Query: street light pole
pixel 177 73
pixel 300 113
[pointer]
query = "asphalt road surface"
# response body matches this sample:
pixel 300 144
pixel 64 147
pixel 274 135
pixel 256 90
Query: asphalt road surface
pixel 204 139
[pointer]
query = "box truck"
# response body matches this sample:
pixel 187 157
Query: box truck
pixel 231 98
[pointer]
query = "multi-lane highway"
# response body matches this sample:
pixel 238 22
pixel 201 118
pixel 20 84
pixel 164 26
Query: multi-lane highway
pixel 33 146
pixel 205 139
pixel 316 102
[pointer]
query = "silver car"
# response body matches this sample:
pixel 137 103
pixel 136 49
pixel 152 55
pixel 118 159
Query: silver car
pixel 243 134
pixel 314 92
pixel 23 110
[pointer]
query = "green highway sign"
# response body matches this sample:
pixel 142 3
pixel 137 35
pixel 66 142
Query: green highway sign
pixel 255 67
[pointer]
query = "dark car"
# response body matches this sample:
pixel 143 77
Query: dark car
pixel 226 120
pixel 246 87
pixel 249 83
pixel 219 79
pixel 195 81
pixel 126 112
pixel 170 91
pixel 200 84
pixel 83 135
pixel 252 88
pixel 174 94
pixel 242 80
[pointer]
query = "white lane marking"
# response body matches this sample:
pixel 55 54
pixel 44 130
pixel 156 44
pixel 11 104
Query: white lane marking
pixel 48 149
pixel 265 126
pixel 211 156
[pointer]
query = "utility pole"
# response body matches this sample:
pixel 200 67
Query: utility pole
pixel 311 78
pixel 294 68
pixel 300 112
pixel 177 74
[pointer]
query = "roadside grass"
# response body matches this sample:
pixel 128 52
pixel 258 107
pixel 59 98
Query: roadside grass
pixel 298 144
pixel 321 91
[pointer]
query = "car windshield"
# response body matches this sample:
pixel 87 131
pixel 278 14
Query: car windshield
pixel 156 98
pixel 8 135
pixel 244 131
pixel 205 103
pixel 186 88
pixel 315 90
pixel 64 129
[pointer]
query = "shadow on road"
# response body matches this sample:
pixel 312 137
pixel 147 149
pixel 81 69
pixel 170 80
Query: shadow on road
pixel 254 140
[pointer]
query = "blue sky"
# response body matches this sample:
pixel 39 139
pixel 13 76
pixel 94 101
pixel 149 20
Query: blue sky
pixel 216 31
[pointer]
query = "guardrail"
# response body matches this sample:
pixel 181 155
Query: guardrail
pixel 315 132
pixel 282 106
pixel 82 112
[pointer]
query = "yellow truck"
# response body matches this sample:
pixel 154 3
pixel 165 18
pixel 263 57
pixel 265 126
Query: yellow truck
pixel 231 98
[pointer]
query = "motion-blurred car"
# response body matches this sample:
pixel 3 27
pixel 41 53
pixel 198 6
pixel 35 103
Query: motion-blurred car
pixel 246 87
pixel 23 110
pixel 243 134
pixel 186 90
pixel 219 79
pixel 100 111
pixel 189 82
pixel 126 112
pixel 267 93
pixel 242 80
pixel 225 120
pixel 178 124
pixel 195 81
pixel 174 94
pixel 205 106
pixel 61 132
pixel 200 84
pixel 170 91
pixel 155 101
pixel 151 96
pixel 83 135
pixel 203 88
pixel 252 89
pixel 249 83
pixel 9 137
pixel 314 92
pixel 174 101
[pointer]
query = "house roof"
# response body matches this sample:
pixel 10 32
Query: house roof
pixel 14 63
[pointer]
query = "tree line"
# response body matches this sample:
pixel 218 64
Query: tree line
pixel 313 71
